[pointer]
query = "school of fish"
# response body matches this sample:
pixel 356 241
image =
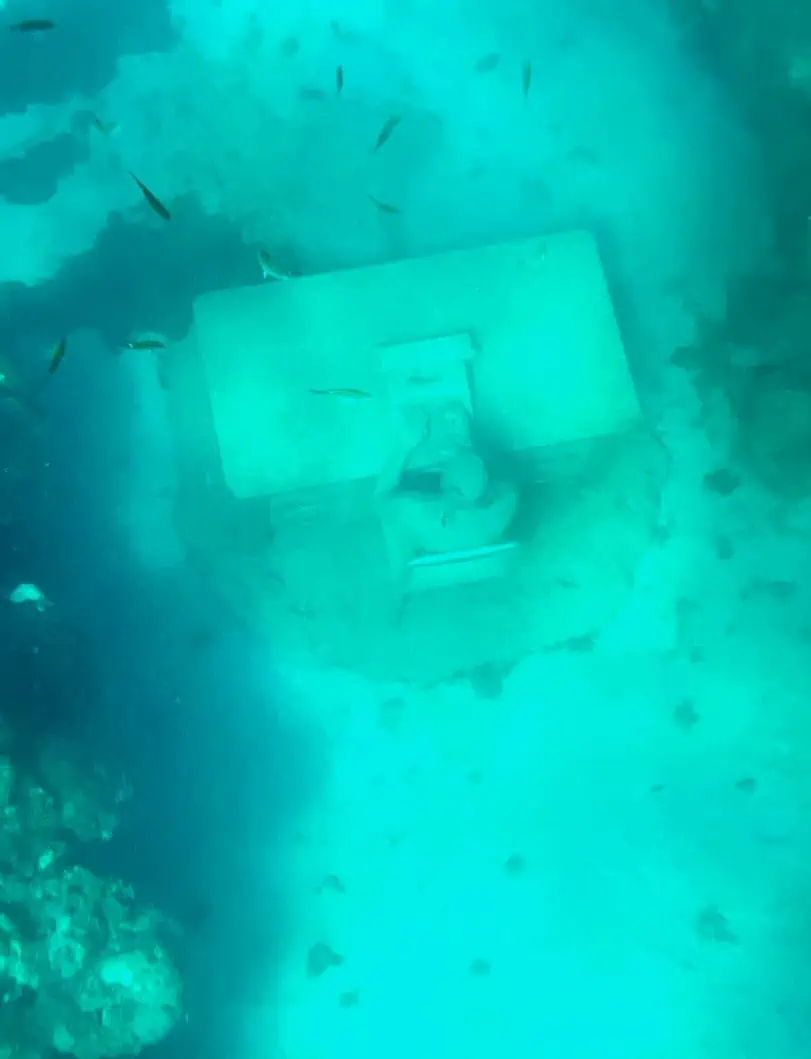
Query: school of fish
pixel 269 269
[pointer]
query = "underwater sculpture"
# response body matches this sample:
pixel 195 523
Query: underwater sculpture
pixel 84 967
pixel 436 494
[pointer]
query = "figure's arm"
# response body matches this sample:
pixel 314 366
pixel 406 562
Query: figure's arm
pixel 392 472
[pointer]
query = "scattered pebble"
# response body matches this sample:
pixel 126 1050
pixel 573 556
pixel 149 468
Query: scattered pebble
pixel 321 958
pixel 685 715
pixel 724 482
pixel 487 680
pixel 515 865
pixel 712 925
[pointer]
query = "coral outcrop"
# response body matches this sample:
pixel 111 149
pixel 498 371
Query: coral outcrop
pixel 84 967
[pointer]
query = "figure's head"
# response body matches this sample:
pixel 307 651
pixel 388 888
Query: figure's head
pixel 450 423
pixel 466 475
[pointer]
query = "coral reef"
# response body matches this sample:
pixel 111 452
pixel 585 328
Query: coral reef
pixel 84 968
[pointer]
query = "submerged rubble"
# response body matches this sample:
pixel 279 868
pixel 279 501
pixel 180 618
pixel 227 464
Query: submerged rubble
pixel 84 968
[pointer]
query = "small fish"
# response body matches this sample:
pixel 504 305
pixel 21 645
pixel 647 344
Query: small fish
pixel 386 132
pixel 527 81
pixel 106 128
pixel 269 270
pixel 384 207
pixel 355 395
pixel 153 200
pixel 487 63
pixel 311 95
pixel 57 355
pixel 145 343
pixel 32 25
pixel 339 79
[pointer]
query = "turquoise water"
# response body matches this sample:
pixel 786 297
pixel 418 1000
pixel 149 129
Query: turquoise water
pixel 560 814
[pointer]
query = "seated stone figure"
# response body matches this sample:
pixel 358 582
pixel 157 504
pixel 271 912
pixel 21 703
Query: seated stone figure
pixel 436 494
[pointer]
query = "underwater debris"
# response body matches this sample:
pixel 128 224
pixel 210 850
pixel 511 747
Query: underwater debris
pixel 321 958
pixel 386 131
